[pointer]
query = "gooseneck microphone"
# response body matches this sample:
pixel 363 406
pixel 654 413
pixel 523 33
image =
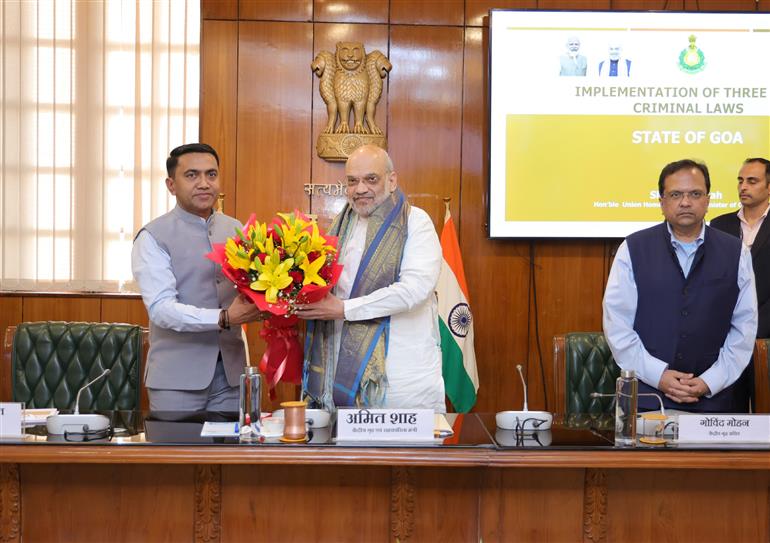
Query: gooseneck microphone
pixel 106 372
pixel 524 384
pixel 91 422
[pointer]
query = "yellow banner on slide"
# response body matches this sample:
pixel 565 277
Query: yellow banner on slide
pixel 606 167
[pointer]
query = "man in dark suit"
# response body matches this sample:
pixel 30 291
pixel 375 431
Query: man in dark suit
pixel 750 224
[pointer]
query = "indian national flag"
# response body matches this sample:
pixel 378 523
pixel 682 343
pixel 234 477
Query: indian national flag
pixel 456 324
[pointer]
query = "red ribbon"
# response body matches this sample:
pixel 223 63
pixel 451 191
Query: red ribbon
pixel 283 356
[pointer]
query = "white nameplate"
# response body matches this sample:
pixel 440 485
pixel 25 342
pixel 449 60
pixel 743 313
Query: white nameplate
pixel 385 425
pixel 711 428
pixel 10 420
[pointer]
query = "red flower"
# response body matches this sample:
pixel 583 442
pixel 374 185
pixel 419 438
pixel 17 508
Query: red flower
pixel 297 277
pixel 241 278
pixel 326 273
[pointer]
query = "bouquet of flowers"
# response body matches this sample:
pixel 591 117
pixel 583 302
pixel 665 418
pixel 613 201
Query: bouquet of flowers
pixel 278 264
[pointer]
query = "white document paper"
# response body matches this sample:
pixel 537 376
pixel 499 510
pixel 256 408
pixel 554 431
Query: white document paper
pixel 220 429
pixel 10 420
pixel 33 417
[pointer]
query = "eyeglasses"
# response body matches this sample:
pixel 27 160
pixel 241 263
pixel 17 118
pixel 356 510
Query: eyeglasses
pixel 693 195
pixel 89 435
pixel 369 180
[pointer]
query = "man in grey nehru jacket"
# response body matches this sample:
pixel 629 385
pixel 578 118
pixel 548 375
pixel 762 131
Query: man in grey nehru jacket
pixel 197 351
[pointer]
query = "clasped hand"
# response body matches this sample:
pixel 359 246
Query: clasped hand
pixel 682 387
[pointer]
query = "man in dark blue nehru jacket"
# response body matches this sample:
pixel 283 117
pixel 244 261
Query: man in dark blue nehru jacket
pixel 680 308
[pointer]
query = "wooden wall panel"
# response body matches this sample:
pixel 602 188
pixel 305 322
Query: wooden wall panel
pixel 477 11
pixel 45 308
pixel 427 12
pixel 10 313
pixel 274 123
pixel 574 4
pixel 653 5
pixel 116 502
pixel 305 502
pixel 326 36
pixel 424 114
pixel 128 310
pixel 18 308
pixel 570 285
pixel 351 11
pixel 284 10
pixel 497 271
pixel 219 100
pixel 274 117
pixel 219 9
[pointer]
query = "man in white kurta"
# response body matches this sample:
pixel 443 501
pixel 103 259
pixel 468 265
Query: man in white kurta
pixel 413 359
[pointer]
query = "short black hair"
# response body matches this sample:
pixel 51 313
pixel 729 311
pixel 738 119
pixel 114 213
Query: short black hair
pixel 173 156
pixel 685 164
pixel 761 161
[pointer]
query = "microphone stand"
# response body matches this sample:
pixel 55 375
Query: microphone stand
pixel 524 419
pixel 77 422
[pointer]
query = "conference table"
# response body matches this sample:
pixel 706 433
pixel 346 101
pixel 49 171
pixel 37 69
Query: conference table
pixel 157 479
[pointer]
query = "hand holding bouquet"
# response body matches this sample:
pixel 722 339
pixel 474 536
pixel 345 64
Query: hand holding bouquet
pixel 277 265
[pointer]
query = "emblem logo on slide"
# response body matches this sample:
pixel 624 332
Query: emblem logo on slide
pixel 460 319
pixel 691 59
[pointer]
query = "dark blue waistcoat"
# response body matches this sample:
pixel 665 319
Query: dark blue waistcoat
pixel 684 321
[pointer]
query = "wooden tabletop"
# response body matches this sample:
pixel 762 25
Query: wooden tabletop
pixel 385 456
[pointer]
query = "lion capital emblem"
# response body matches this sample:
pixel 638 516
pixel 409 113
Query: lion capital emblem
pixel 351 80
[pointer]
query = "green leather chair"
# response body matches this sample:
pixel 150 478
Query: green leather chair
pixel 51 361
pixel 583 364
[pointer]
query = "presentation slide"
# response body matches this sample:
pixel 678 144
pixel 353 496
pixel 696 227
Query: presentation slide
pixel 587 107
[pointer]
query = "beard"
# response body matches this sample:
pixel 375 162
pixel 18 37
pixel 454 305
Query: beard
pixel 365 206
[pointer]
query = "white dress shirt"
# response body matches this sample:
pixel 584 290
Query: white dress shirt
pixel 620 303
pixel 152 270
pixel 413 361
pixel 749 232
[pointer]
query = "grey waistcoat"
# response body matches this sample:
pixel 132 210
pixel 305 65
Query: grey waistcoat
pixel 187 360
